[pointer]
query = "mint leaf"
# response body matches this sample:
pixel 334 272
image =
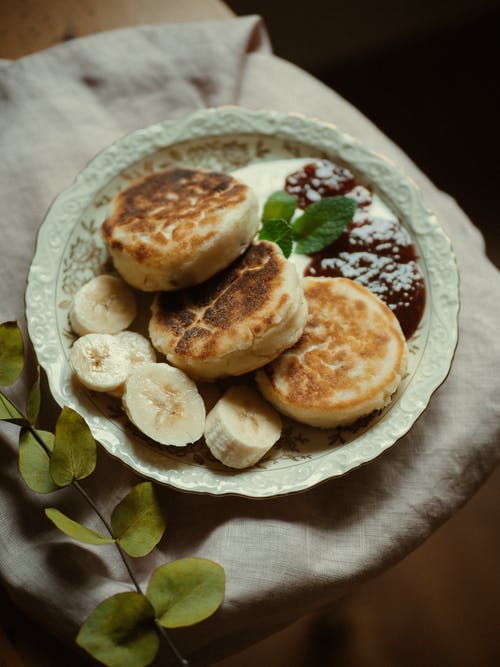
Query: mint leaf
pixel 281 205
pixel 280 232
pixel 322 223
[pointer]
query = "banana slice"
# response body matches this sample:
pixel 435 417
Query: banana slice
pixel 241 428
pixel 140 351
pixel 164 404
pixel 100 361
pixel 103 305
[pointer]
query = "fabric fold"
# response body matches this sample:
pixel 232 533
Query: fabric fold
pixel 283 557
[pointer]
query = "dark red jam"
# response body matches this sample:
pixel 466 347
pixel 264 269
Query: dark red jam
pixel 375 251
pixel 315 181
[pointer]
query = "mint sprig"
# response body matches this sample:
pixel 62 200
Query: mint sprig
pixel 320 225
pixel 280 205
pixel 279 231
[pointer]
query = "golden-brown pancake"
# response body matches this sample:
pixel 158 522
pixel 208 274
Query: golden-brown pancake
pixel 349 361
pixel 176 228
pixel 237 321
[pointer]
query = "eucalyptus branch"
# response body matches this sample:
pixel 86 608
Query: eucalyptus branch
pixel 48 462
pixel 182 661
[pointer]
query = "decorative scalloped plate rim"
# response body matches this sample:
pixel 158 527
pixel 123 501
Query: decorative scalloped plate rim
pixel 438 340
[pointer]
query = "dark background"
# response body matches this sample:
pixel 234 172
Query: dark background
pixel 427 73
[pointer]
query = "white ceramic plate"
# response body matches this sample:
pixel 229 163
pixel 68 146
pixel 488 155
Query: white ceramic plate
pixel 70 251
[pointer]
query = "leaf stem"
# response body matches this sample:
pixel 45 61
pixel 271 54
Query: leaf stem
pixel 89 500
pixel 38 439
pixel 182 661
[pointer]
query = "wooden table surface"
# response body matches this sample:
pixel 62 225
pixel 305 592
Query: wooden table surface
pixel 27 26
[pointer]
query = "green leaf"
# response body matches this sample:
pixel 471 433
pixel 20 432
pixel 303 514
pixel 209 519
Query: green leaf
pixel 120 632
pixel 74 455
pixel 186 591
pixel 34 399
pixel 322 223
pixel 11 353
pixel 34 461
pixel 9 412
pixel 74 529
pixel 280 204
pixel 280 232
pixel 138 521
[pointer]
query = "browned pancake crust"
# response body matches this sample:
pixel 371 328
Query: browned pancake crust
pixel 192 200
pixel 337 331
pixel 194 320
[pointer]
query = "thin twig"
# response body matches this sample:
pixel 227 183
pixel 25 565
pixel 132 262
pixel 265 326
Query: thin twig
pixel 85 495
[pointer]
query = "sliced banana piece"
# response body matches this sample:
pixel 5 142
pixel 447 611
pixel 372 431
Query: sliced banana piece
pixel 103 305
pixel 241 427
pixel 164 404
pixel 100 361
pixel 140 351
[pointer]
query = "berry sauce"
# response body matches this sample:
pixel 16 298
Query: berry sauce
pixel 375 250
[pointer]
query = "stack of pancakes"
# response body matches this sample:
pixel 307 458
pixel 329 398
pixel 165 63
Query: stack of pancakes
pixel 328 350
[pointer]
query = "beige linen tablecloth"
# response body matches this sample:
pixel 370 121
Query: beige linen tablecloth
pixel 286 556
